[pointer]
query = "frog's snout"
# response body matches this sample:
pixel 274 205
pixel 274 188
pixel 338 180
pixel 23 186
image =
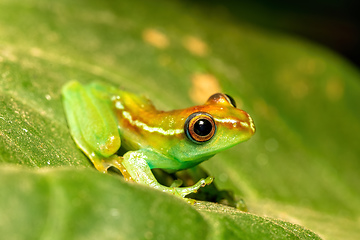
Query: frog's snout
pixel 240 121
pixel 246 123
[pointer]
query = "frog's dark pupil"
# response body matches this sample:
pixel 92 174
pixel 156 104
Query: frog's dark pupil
pixel 202 127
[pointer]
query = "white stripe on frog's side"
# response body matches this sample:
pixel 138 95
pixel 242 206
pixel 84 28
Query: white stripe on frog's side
pixel 142 125
pixel 226 120
pixel 235 122
pixel 232 121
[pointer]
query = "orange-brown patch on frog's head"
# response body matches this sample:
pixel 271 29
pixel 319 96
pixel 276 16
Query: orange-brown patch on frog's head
pixel 229 118
pixel 221 99
pixel 221 120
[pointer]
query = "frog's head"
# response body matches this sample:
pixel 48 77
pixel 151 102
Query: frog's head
pixel 213 127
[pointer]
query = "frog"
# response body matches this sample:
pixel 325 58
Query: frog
pixel 105 121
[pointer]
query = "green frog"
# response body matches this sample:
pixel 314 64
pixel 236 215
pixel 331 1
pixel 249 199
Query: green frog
pixel 102 119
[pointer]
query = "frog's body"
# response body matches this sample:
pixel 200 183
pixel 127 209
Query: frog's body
pixel 103 118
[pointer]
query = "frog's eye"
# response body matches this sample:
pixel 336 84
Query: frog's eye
pixel 220 98
pixel 230 100
pixel 200 127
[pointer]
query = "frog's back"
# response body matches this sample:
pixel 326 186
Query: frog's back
pixel 132 112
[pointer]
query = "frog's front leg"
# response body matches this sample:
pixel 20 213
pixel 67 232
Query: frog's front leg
pixel 135 164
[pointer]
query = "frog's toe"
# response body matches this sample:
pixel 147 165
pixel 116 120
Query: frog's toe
pixel 208 180
pixel 203 182
pixel 190 201
pixel 193 189
pixel 176 183
pixel 101 167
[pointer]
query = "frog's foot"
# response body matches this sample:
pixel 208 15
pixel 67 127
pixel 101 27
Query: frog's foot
pixel 116 162
pixel 134 168
pixel 241 205
pixel 100 164
pixel 183 191
pixel 176 183
pixel 103 164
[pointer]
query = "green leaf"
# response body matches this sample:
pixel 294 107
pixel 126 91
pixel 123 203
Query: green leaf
pixel 74 203
pixel 300 168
